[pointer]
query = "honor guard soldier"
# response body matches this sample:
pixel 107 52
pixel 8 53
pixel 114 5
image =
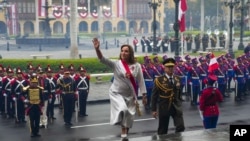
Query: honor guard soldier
pixel 213 40
pixel 195 81
pixel 246 73
pixel 30 71
pixel 50 92
pixel 135 43
pixel 197 40
pixel 82 86
pixel 165 43
pixel 247 63
pixel 181 71
pixel 220 73
pixel 19 96
pixel 149 74
pixel 189 41
pixel 73 75
pixel 35 102
pixel 41 83
pixel 68 88
pixel 210 96
pixel 158 66
pixel 204 71
pixel 205 40
pixel 222 39
pixel 230 72
pixel 1 88
pixel 60 75
pixel 164 57
pixel 239 79
pixel 143 43
pixel 6 88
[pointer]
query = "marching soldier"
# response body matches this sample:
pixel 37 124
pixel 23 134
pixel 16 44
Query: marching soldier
pixel 6 88
pixel 203 69
pixel 50 92
pixel 30 70
pixel 158 66
pixel 230 72
pixel 68 88
pixel 82 85
pixel 19 96
pixel 34 101
pixel 189 41
pixel 205 40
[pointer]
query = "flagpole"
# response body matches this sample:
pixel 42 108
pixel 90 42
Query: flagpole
pixel 182 45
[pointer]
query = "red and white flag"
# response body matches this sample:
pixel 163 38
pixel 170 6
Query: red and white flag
pixel 41 9
pixel 213 64
pixel 181 16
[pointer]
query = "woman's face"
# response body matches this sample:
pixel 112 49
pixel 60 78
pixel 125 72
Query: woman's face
pixel 125 53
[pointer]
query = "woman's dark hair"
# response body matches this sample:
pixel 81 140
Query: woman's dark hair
pixel 131 59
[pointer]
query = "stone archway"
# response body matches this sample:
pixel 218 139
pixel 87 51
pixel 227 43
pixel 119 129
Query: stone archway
pixel 94 26
pixel 28 27
pixel 83 26
pixel 107 26
pixel 121 26
pixel 144 27
pixel 3 28
pixel 132 27
pixel 58 27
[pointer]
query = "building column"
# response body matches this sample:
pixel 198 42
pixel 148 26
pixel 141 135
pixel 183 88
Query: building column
pixel 36 28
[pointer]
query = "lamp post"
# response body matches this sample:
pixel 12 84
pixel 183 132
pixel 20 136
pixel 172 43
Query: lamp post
pixel 176 28
pixel 243 6
pixel 231 4
pixel 5 6
pixel 159 16
pixel 154 4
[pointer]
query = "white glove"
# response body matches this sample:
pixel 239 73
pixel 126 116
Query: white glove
pixel 190 83
pixel 4 94
pixel 26 100
pixel 14 98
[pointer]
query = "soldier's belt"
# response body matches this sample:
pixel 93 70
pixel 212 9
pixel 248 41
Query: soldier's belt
pixel 148 79
pixel 230 69
pixel 166 97
pixel 69 92
pixel 170 97
pixel 240 76
pixel 8 90
pixel 53 91
pixel 18 93
pixel 195 78
pixel 82 88
pixel 45 91
pixel 203 74
pixel 221 76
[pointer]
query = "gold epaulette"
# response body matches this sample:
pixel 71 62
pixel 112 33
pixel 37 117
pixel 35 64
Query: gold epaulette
pixel 160 86
pixel 26 88
pixel 40 87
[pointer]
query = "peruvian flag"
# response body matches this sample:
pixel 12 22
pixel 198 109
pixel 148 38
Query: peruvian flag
pixel 41 9
pixel 181 16
pixel 213 64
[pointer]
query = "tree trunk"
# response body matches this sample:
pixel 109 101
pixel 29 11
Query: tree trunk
pixel 73 29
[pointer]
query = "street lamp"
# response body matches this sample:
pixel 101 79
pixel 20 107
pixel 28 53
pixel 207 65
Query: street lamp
pixel 243 6
pixel 4 6
pixel 154 4
pixel 176 28
pixel 231 4
pixel 159 16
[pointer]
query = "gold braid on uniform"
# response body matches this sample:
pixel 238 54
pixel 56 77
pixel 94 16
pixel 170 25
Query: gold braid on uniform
pixel 164 89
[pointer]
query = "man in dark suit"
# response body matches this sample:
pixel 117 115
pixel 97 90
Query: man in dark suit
pixel 167 95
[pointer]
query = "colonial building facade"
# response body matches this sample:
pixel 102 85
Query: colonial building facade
pixel 126 16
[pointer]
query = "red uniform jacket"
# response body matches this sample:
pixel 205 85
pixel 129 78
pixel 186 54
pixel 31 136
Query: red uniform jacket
pixel 208 101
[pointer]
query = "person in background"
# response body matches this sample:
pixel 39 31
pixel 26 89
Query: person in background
pixel 122 93
pixel 166 97
pixel 135 43
pixel 247 48
pixel 209 98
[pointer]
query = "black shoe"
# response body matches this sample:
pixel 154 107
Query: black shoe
pixel 24 121
pixel 42 126
pixel 32 135
pixel 237 99
pixel 125 139
pixel 70 123
pixel 37 135
pixel 85 115
pixel 53 118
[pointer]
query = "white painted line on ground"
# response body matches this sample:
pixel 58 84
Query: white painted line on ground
pixel 101 124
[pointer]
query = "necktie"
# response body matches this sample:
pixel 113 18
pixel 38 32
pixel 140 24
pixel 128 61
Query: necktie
pixel 171 81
